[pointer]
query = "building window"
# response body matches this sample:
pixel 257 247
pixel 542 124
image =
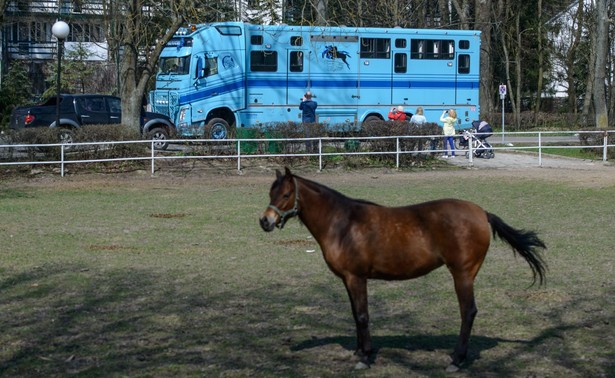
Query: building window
pixel 77 6
pixel 375 48
pixel 264 61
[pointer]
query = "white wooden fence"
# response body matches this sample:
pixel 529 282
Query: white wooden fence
pixel 10 154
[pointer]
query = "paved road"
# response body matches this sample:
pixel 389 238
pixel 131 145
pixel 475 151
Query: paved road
pixel 518 159
pixel 551 139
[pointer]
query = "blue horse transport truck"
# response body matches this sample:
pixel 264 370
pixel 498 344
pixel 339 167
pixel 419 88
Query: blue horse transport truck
pixel 215 78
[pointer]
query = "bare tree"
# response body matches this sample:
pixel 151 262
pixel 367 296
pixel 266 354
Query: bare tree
pixel 484 24
pixel 541 55
pixel 601 49
pixel 140 55
pixel 141 28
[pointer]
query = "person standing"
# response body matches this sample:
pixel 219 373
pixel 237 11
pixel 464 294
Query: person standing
pixel 308 117
pixel 308 108
pixel 418 118
pixel 397 114
pixel 449 118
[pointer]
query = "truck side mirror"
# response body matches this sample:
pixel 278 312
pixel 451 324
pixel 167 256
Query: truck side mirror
pixel 200 70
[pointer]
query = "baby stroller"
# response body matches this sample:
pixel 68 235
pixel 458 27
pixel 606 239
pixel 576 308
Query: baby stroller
pixel 478 135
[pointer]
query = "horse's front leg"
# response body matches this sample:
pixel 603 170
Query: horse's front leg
pixel 357 292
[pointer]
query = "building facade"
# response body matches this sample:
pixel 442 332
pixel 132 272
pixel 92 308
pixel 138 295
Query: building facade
pixel 25 34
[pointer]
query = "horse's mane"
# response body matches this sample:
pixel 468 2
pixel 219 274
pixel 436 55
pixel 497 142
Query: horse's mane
pixel 333 193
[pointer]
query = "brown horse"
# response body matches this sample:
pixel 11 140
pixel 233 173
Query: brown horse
pixel 362 240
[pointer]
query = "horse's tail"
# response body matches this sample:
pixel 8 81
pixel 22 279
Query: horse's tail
pixel 522 242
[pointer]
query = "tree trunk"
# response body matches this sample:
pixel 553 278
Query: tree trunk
pixel 539 84
pixel 571 60
pixel 518 74
pixel 321 12
pixel 487 86
pixel 134 73
pixel 601 49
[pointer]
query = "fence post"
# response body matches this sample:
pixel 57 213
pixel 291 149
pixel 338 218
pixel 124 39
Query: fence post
pixel 539 149
pixel 605 144
pixel 320 154
pixel 471 151
pixel 397 154
pixel 238 155
pixel 152 157
pixel 62 159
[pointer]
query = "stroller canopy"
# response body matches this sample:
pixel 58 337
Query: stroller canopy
pixel 482 127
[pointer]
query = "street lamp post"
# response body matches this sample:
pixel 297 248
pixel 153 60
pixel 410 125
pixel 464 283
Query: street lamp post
pixel 59 30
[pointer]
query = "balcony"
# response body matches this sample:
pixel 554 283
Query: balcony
pixel 21 8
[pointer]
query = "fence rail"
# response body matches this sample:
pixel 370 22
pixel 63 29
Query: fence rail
pixel 238 148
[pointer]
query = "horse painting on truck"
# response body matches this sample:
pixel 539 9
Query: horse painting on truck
pixel 215 78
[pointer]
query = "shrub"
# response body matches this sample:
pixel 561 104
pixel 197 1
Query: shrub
pixel 95 133
pixel 597 139
pixel 293 130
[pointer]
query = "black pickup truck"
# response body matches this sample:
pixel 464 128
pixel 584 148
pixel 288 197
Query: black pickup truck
pixel 77 110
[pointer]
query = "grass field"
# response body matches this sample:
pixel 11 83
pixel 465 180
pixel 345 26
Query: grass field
pixel 172 276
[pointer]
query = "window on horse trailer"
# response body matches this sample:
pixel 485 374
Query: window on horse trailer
pixel 432 49
pixel 264 61
pixel 375 48
pixel 296 61
pixel 401 63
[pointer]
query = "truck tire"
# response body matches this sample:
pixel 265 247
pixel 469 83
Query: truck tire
pixel 160 136
pixel 372 118
pixel 218 128
pixel 66 136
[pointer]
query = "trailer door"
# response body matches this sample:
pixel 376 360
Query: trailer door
pixel 400 77
pixel 296 81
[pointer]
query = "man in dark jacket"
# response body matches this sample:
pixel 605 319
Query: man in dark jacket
pixel 308 107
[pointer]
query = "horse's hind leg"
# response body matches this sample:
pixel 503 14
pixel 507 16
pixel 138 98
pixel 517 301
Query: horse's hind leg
pixel 464 287
pixel 357 292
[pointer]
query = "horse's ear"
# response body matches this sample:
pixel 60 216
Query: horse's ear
pixel 278 174
pixel 287 171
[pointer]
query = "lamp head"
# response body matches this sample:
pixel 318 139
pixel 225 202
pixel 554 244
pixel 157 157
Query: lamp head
pixel 60 30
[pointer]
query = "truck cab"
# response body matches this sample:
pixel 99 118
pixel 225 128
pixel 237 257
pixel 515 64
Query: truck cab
pixel 200 83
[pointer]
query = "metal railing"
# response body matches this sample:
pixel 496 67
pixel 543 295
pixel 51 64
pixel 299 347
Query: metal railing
pixel 235 148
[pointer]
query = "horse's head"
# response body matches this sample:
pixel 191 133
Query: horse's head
pixel 284 201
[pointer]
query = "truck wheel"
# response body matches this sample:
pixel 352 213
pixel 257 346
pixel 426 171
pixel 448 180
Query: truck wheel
pixel 66 136
pixel 218 128
pixel 160 136
pixel 372 118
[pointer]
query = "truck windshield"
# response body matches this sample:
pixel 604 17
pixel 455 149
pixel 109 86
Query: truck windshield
pixel 174 66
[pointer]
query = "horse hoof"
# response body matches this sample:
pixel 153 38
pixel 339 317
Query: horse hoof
pixel 361 366
pixel 452 368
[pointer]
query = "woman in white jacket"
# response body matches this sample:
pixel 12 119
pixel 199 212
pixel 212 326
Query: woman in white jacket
pixel 449 118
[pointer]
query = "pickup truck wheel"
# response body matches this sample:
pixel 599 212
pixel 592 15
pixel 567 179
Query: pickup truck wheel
pixel 66 136
pixel 160 136
pixel 218 128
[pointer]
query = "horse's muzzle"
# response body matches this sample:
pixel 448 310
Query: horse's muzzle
pixel 267 223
